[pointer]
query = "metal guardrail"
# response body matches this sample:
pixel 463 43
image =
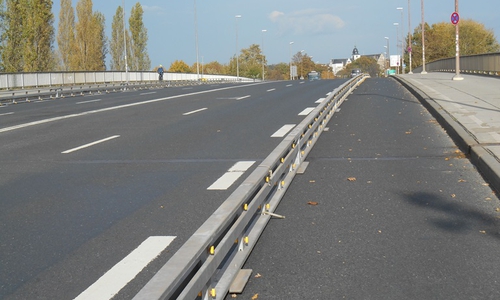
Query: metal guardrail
pixel 18 96
pixel 206 265
pixel 11 81
pixel 481 64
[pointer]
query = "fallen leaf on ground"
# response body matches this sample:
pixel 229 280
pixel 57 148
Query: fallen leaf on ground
pixel 258 275
pixel 453 195
pixel 312 181
pixel 312 203
pixel 234 296
pixel 255 297
pixel 482 231
pixel 351 178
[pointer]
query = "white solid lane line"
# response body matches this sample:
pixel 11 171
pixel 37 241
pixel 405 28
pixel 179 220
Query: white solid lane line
pixel 270 90
pixel 88 101
pixel 123 272
pixel 90 144
pixel 235 172
pixel 6 114
pixel 148 93
pixel 283 130
pixel 320 100
pixel 194 111
pixel 306 111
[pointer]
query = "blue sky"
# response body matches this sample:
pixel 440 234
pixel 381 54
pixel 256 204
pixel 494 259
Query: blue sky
pixel 324 29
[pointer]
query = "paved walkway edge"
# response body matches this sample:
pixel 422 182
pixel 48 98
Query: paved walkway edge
pixel 484 160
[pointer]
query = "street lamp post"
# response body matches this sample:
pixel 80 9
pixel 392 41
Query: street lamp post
pixel 301 64
pixel 423 37
pixel 196 42
pixel 388 55
pixel 397 44
pixel 409 35
pixel 237 56
pixel 402 42
pixel 291 43
pixel 263 69
pixel 125 42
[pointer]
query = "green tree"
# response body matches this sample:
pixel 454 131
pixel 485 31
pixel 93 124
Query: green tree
pixel 139 34
pixel 179 66
pixel 2 30
pixel 66 33
pixel 38 35
pixel 440 41
pixel 251 60
pixel 117 43
pixel 214 68
pixel 279 71
pixel 12 57
pixel 90 42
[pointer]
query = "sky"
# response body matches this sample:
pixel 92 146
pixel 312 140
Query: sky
pixel 324 29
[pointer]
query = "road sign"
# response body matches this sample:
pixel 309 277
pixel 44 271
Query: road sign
pixel 455 18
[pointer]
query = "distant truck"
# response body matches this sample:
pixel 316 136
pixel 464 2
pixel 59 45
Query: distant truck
pixel 313 75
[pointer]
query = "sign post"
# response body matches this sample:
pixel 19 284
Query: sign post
pixel 455 19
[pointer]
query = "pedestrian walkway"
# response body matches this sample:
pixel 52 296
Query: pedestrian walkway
pixel 469 110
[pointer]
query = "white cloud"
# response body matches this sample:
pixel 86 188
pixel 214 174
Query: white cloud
pixel 153 9
pixel 310 21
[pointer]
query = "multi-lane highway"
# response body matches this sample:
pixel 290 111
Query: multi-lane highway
pixel 98 191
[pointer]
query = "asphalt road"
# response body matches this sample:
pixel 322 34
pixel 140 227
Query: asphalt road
pixel 388 208
pixel 86 181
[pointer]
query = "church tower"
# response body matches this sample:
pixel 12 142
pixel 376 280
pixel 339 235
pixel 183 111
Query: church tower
pixel 355 54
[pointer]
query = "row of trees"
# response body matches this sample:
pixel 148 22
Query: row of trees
pixel 27 38
pixel 252 63
pixel 440 41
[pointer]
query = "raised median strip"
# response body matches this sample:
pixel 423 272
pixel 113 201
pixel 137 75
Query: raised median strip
pixel 209 261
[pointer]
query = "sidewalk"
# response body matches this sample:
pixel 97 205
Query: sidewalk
pixel 470 112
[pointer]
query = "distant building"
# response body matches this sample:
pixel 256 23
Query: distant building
pixel 339 64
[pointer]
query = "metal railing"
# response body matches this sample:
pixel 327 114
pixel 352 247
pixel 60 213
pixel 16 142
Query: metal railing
pixel 206 265
pixel 48 79
pixel 481 64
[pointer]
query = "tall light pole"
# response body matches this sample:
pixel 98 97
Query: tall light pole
pixel 196 42
pixel 237 56
pixel 397 44
pixel 388 54
pixel 409 35
pixel 301 64
pixel 125 41
pixel 457 42
pixel 402 42
pixel 263 69
pixel 291 43
pixel 423 37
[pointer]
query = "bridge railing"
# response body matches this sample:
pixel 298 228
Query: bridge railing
pixel 49 79
pixel 483 64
